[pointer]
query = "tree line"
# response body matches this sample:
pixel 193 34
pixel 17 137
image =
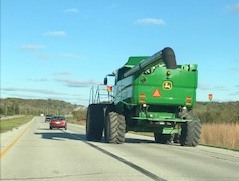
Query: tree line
pixel 36 107
pixel 217 112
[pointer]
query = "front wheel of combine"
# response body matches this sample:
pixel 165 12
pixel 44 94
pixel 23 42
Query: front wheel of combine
pixel 121 129
pixel 111 126
pixel 94 122
pixel 115 128
pixel 190 133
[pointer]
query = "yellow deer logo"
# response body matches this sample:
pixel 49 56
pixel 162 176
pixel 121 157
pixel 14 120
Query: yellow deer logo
pixel 167 85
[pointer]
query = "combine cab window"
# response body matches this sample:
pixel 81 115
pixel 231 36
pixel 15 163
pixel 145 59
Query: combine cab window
pixel 121 72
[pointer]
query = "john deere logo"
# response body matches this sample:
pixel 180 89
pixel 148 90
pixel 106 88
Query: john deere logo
pixel 167 85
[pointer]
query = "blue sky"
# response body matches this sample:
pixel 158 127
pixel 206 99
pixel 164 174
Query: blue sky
pixel 58 49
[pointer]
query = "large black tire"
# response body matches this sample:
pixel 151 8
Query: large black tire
pixel 190 133
pixel 169 58
pixel 111 127
pixel 161 138
pixel 95 122
pixel 121 129
pixel 115 127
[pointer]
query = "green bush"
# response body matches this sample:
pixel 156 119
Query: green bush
pixel 215 112
pixel 79 114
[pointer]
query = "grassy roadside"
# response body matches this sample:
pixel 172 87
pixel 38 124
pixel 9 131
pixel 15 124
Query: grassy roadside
pixel 222 135
pixel 74 121
pixel 9 124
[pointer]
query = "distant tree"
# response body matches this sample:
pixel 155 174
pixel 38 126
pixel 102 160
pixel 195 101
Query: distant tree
pixel 215 112
pixel 2 111
pixel 79 114
pixel 11 106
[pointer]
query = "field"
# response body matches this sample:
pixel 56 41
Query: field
pixel 221 135
pixel 9 124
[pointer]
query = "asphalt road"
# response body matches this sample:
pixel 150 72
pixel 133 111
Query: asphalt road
pixel 34 152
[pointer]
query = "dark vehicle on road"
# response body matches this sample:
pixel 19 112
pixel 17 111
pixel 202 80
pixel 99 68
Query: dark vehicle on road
pixel 58 122
pixel 48 118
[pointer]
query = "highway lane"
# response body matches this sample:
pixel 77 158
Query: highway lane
pixel 43 154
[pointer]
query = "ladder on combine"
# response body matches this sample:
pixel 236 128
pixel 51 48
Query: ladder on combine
pixel 101 94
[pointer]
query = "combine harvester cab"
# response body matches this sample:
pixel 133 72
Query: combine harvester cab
pixel 151 94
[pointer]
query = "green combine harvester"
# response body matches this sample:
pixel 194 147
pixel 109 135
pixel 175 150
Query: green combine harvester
pixel 150 94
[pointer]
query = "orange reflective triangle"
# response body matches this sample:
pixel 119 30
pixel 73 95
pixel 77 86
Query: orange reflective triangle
pixel 156 93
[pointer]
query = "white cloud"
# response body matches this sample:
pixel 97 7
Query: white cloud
pixel 42 56
pixel 56 33
pixel 31 47
pixel 150 21
pixel 202 86
pixel 71 56
pixel 77 83
pixel 28 93
pixel 38 80
pixel 71 10
pixel 221 88
pixel 234 7
pixel 207 87
pixel 114 5
pixel 38 91
pixel 62 73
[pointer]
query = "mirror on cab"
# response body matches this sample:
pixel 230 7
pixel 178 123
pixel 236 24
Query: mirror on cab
pixel 105 81
pixel 106 78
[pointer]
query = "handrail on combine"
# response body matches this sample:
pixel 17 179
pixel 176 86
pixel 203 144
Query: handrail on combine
pixel 100 94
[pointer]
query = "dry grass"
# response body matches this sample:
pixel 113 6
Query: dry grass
pixel 74 121
pixel 221 135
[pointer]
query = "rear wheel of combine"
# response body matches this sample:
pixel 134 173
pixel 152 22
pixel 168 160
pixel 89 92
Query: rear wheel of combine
pixel 94 122
pixel 161 138
pixel 190 133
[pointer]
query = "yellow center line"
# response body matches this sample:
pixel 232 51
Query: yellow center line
pixel 5 150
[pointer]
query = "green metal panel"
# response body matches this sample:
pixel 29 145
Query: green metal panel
pixel 153 94
pixel 145 126
pixel 181 89
pixel 132 61
pixel 123 90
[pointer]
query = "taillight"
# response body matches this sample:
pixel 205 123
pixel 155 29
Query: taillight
pixel 188 100
pixel 142 97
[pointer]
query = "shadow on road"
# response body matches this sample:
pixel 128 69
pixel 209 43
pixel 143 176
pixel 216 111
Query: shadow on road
pixel 64 136
pixel 134 140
